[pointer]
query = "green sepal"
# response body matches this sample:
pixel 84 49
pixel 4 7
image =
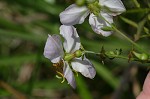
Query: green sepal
pixel 80 2
pixel 142 56
pixel 107 28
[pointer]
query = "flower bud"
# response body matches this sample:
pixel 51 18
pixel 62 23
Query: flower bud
pixel 78 53
pixel 110 54
pixel 80 2
pixel 142 56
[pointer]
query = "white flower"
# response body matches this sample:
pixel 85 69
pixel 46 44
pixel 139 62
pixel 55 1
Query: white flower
pixel 54 51
pixel 106 9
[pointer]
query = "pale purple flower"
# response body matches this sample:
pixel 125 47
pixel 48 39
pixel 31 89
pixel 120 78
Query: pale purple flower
pixel 54 51
pixel 108 8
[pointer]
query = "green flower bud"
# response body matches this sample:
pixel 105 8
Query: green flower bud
pixel 78 53
pixel 142 56
pixel 69 57
pixel 80 2
pixel 110 54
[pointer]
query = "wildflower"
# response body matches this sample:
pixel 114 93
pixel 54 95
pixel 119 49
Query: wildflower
pixel 68 58
pixel 101 12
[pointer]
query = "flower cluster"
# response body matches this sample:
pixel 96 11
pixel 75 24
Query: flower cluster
pixel 68 57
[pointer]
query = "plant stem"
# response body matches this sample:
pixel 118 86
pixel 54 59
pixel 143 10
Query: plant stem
pixel 117 56
pixel 127 38
pixel 136 3
pixel 91 52
pixel 122 34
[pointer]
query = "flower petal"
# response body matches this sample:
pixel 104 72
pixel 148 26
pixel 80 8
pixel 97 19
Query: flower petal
pixel 113 7
pixel 72 40
pixel 84 66
pixel 53 48
pixel 68 74
pixel 74 15
pixel 97 23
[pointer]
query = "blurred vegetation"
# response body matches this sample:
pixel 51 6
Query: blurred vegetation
pixel 26 74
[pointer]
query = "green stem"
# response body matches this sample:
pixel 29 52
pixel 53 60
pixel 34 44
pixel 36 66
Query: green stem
pixel 136 3
pixel 127 38
pixel 91 52
pixel 143 36
pixel 117 56
pixel 122 34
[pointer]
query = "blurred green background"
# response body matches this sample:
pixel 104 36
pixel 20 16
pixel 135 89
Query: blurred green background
pixel 26 74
